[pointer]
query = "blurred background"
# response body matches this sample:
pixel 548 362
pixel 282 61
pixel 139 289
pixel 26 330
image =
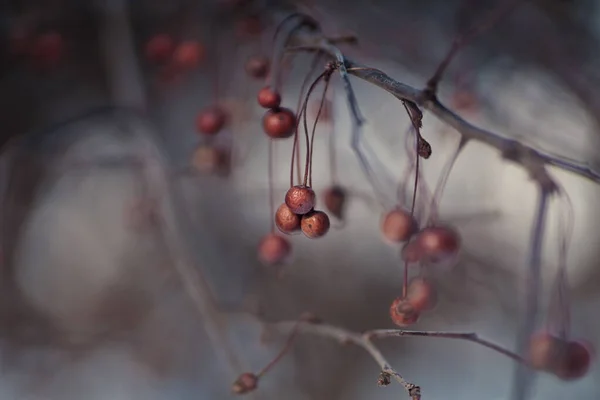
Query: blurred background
pixel 130 273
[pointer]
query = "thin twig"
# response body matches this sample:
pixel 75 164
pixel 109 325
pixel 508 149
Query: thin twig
pixel 532 160
pixel 523 377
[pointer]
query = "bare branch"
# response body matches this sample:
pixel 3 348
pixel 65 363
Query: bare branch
pixel 532 160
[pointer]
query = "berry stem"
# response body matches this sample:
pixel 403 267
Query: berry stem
pixel 286 348
pixel 332 152
pixel 296 146
pixel 312 138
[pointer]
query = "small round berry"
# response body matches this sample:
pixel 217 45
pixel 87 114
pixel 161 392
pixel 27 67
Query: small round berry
pixel 286 220
pixel 438 242
pixel 398 226
pixel 422 294
pixel 545 351
pixel 274 249
pixel 268 98
pixel 48 48
pixel 300 199
pixel 210 160
pixel 576 361
pixel 315 224
pixel 245 383
pixel 159 48
pixel 411 252
pixel 335 201
pixel 403 313
pixel 188 54
pixel 211 120
pixel 257 67
pixel 279 123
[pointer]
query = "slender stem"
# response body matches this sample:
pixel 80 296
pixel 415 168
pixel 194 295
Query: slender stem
pixel 468 336
pixel 522 376
pixel 304 110
pixel 288 346
pixel 331 143
pixel 312 137
pixel 271 194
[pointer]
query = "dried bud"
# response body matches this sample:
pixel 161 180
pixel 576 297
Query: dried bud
pixel 245 383
pixel 424 148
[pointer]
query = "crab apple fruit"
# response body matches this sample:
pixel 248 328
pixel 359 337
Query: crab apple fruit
pixel 398 226
pixel 211 120
pixel 188 54
pixel 410 252
pixel 274 249
pixel 576 360
pixel 422 294
pixel 279 123
pixel 48 48
pixel 545 351
pixel 210 160
pixel 300 199
pixel 269 98
pixel 257 67
pixel 335 201
pixel 286 220
pixel 438 242
pixel 315 224
pixel 403 313
pixel 245 383
pixel 159 48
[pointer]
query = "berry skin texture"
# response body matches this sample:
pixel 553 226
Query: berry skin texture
pixel 211 120
pixel 279 123
pixel 576 361
pixel 315 224
pixel 257 67
pixel 398 226
pixel 335 201
pixel 286 221
pixel 300 199
pixel 403 313
pixel 159 48
pixel 210 160
pixel 274 249
pixel 245 383
pixel 422 294
pixel 438 242
pixel 268 98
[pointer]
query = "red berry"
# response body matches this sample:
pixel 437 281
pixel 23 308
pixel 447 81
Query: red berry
pixel 245 383
pixel 210 160
pixel 286 220
pixel 398 226
pixel 268 98
pixel 211 120
pixel 274 249
pixel 422 294
pixel 188 54
pixel 300 199
pixel 576 361
pixel 257 67
pixel 48 48
pixel 315 224
pixel 159 48
pixel 335 201
pixel 279 123
pixel 438 242
pixel 403 313
pixel 545 351
pixel 411 252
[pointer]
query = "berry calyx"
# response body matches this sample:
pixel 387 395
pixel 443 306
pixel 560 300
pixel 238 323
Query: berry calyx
pixel 285 220
pixel 403 313
pixel 211 120
pixel 245 383
pixel 268 98
pixel 398 226
pixel 274 249
pixel 315 224
pixel 300 199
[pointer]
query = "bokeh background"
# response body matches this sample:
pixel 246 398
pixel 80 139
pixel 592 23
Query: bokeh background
pixel 97 303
